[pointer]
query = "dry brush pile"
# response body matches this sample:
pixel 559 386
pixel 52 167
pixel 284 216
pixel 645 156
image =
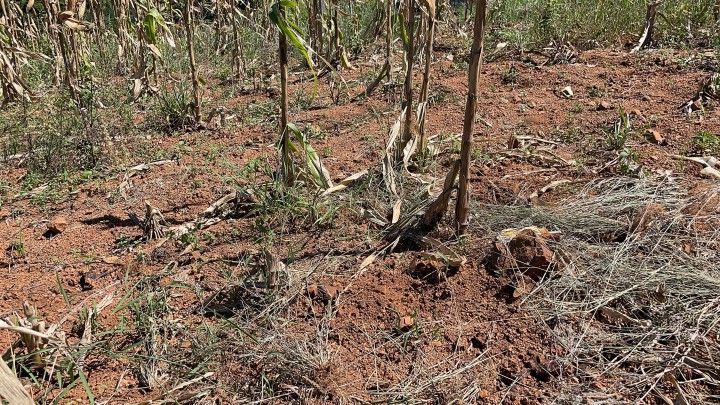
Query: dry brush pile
pixel 632 290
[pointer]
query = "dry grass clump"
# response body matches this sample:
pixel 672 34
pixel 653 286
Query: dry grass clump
pixel 636 301
pixel 453 380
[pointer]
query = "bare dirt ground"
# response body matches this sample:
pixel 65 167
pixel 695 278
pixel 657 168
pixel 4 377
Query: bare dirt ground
pixel 185 308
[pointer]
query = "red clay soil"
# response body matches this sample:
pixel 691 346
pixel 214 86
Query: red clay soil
pixel 388 326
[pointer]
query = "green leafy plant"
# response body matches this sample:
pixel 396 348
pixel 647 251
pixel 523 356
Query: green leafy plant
pixel 706 142
pixel 628 162
pixel 175 107
pixel 17 249
pixel 510 76
pixel 291 31
pixel 617 137
pixel 297 146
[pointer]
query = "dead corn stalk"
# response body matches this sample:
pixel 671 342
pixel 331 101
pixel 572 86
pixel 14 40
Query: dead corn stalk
pixel 189 31
pixel 476 53
pixel 423 98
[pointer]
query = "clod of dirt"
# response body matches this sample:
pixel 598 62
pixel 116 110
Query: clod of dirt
pixel 322 293
pixel 435 266
pixel 525 250
pixel 431 270
pixel 57 225
pixel 603 106
pixel 111 260
pixel 511 292
pixel 518 292
pixel 406 323
pixel 656 137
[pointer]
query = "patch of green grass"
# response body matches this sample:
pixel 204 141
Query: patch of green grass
pixel 480 154
pixel 510 76
pixel 440 94
pixel 214 152
pixel 17 249
pixel 528 25
pixel 281 209
pixel 173 108
pixel 707 143
pixel 54 136
pixel 596 92
pixel 157 346
pixel 616 137
pixel 627 161
pixel 315 133
pixel 124 242
pixel 260 112
pixel 568 135
pixel 302 100
pixel 189 238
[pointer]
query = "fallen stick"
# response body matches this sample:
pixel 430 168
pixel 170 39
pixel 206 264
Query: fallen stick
pixel 125 183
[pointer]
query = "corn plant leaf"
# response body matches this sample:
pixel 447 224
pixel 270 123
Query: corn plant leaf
pixel 291 31
pixel 75 24
pixel 169 38
pixel 137 88
pixel 285 150
pixel 316 171
pixel 155 50
pixel 403 32
pixel 64 15
pixel 344 183
pixel 168 34
pixel 152 21
pixel 150 28
pixel 81 9
pixel 396 211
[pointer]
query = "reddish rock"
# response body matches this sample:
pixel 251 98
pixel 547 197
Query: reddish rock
pixel 406 323
pixel 58 225
pixel 525 250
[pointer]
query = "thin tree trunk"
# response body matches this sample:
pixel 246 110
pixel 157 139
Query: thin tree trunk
pixel 238 52
pixel 121 25
pixel 283 60
pixel 218 27
pixel 51 11
pixel 286 166
pixel 647 37
pixel 388 37
pixel 70 77
pixel 191 54
pixel 426 74
pixel 319 12
pixel 463 200
pixel 409 55
pixel 313 27
pixel 337 57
